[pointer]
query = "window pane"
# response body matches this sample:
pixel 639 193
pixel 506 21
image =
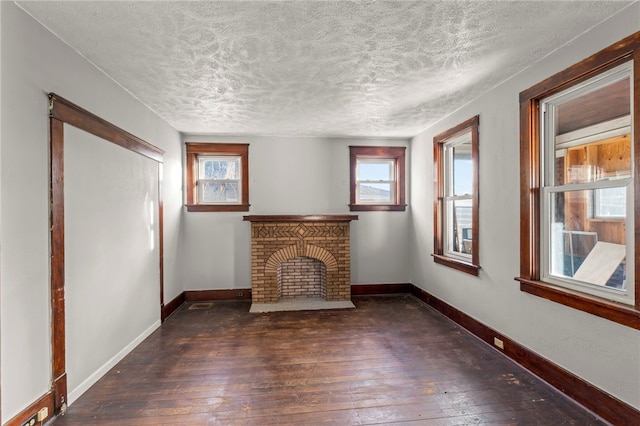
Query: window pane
pixel 375 192
pixel 459 214
pixel 462 169
pixel 581 249
pixel 591 133
pixel 596 104
pixel 219 168
pixel 610 203
pixel 375 169
pixel 219 192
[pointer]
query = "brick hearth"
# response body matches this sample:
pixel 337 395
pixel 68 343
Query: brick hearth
pixel 278 239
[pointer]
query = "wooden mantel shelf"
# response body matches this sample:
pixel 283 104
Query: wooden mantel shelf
pixel 302 218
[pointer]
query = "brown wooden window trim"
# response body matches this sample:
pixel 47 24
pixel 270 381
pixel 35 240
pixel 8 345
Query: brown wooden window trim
pixel 530 181
pixel 396 153
pixel 471 125
pixel 194 149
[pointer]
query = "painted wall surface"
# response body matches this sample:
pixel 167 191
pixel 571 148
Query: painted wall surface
pixel 602 352
pixel 0 214
pixel 111 254
pixel 294 176
pixel 35 62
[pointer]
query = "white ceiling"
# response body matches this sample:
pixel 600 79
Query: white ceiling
pixel 331 68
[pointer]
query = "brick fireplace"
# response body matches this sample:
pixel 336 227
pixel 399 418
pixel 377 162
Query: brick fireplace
pixel 300 257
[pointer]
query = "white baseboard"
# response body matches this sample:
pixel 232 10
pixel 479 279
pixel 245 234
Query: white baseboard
pixel 91 380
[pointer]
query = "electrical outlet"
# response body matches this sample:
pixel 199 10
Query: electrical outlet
pixel 43 414
pixel 32 420
pixel 499 343
pixel 239 293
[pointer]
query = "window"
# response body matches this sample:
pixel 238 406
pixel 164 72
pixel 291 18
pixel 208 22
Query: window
pixel 217 177
pixel 456 233
pixel 579 159
pixel 377 178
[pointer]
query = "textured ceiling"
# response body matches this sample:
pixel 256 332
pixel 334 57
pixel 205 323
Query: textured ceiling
pixel 336 68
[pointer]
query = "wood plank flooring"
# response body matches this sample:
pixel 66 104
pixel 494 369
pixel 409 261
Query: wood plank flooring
pixel 392 360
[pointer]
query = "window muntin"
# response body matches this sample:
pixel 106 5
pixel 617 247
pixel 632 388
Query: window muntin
pixel 609 203
pixel 377 178
pixel 456 159
pixel 586 187
pixel 217 177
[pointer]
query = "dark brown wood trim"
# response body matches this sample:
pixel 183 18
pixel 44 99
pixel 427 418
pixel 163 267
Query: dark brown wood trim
pixel 616 312
pixel 373 289
pixel 475 216
pixel 377 207
pixel 62 111
pixel 193 149
pixel 636 158
pixel 190 177
pixel 596 400
pixel 529 189
pixel 217 207
pixel 438 198
pixel 457 264
pixel 59 389
pixel 78 117
pixel 230 294
pixel 171 307
pixel 458 129
pixel 45 401
pixel 161 234
pixel 301 218
pixel 217 148
pixel 395 152
pixel 56 194
pixel 585 69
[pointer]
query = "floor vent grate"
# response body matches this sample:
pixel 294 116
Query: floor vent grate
pixel 195 306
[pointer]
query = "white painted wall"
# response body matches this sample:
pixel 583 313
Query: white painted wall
pixel 0 212
pixel 600 351
pixel 111 255
pixel 294 176
pixel 34 62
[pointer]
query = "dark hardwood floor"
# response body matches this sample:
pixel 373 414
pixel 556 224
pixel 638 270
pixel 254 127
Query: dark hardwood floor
pixel 392 360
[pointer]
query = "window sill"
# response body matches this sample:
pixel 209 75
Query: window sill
pixel 217 208
pixel 616 312
pixel 377 207
pixel 459 265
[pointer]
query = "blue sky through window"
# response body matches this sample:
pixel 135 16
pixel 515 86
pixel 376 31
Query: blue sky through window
pixel 375 170
pixel 462 177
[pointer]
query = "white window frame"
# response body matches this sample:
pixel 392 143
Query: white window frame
pixel 549 147
pixel 200 181
pixel 392 181
pixel 450 198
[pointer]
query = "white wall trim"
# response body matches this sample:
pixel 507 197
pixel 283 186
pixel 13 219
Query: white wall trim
pixel 92 379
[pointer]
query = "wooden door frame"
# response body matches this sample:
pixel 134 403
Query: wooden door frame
pixel 62 111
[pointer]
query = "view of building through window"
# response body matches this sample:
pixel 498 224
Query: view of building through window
pixel 587 195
